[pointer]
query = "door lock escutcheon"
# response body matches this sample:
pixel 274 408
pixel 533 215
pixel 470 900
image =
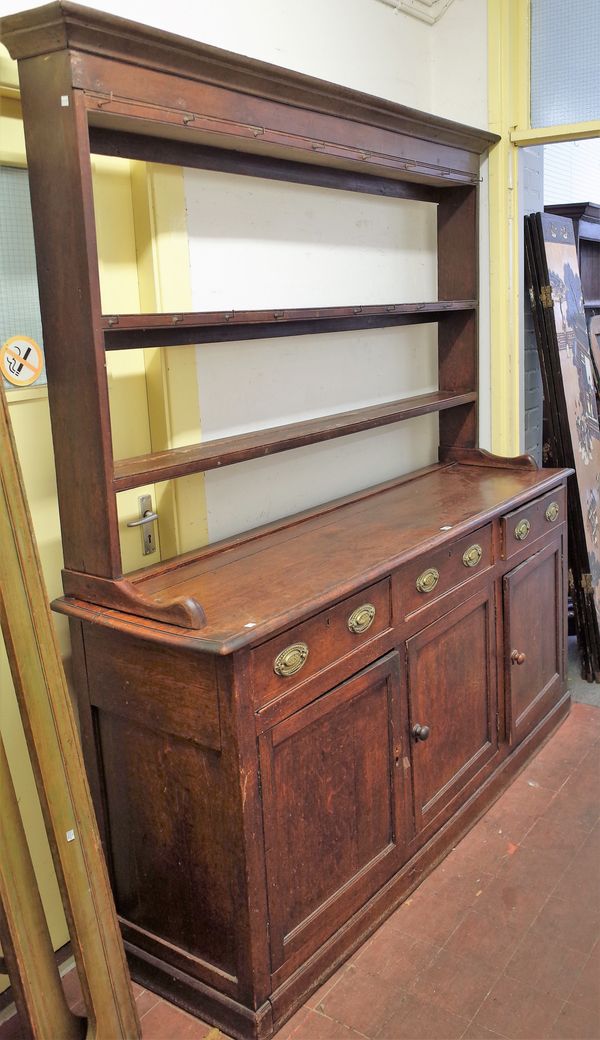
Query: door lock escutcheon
pixel 145 522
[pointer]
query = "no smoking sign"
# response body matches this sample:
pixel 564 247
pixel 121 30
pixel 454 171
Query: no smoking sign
pixel 21 360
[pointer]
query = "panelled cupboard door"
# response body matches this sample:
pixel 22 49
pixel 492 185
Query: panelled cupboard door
pixel 336 807
pixel 534 609
pixel 452 693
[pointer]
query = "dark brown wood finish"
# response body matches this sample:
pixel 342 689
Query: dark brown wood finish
pixel 331 739
pixel 226 451
pixel 124 331
pixel 205 157
pixel 121 594
pixel 58 26
pixel 481 457
pixel 457 339
pixel 259 824
pixel 452 698
pixel 534 662
pixel 532 521
pixel 334 839
pixel 65 244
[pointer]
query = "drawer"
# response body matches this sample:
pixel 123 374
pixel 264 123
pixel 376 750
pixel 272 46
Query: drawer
pixel 532 521
pixel 296 655
pixel 424 580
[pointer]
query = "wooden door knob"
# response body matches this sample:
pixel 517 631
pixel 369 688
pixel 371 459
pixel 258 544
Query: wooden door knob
pixel 420 732
pixel 517 657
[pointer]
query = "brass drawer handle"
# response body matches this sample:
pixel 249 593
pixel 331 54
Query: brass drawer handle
pixel 362 618
pixel 552 512
pixel 427 581
pixel 290 660
pixel 522 530
pixel 472 555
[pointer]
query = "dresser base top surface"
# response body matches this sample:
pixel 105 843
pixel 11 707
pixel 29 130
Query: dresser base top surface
pixel 258 584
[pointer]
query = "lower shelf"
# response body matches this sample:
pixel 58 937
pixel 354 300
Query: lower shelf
pixel 226 451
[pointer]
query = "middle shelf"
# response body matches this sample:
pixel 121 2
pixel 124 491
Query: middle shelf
pixel 226 451
pixel 129 331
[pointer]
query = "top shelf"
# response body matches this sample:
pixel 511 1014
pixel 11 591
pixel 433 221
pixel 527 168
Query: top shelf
pixel 127 331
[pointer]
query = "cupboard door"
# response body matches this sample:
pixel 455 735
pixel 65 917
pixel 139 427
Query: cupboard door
pixel 452 692
pixel 336 807
pixel 534 609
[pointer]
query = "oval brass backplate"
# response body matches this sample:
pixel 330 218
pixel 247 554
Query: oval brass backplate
pixel 472 555
pixel 427 581
pixel 522 530
pixel 290 660
pixel 552 512
pixel 362 618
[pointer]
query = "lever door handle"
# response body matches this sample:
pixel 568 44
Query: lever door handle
pixel 147 518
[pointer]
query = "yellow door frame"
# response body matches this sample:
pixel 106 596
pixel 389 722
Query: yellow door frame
pixel 509 107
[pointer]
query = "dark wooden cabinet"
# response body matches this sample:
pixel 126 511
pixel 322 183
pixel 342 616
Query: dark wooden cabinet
pixel 452 691
pixel 336 807
pixel 268 798
pixel 253 712
pixel 534 650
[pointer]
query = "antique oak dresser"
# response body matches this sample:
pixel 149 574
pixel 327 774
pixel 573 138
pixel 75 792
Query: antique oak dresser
pixel 284 731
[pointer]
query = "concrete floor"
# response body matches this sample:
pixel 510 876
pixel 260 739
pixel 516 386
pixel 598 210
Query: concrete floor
pixel 581 691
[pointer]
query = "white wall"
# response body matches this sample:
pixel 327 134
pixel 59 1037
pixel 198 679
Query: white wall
pixel 260 244
pixel 256 243
pixel 459 63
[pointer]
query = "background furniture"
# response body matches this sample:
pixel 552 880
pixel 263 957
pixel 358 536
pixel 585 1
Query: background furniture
pixel 586 227
pixel 566 363
pixel 286 730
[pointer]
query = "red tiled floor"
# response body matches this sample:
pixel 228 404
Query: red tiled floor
pixel 501 941
pixel 363 1002
pixel 395 957
pixel 454 983
pixel 575 1023
pixel 518 1011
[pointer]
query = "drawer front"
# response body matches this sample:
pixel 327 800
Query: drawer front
pixel 424 580
pixel 303 651
pixel 532 521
